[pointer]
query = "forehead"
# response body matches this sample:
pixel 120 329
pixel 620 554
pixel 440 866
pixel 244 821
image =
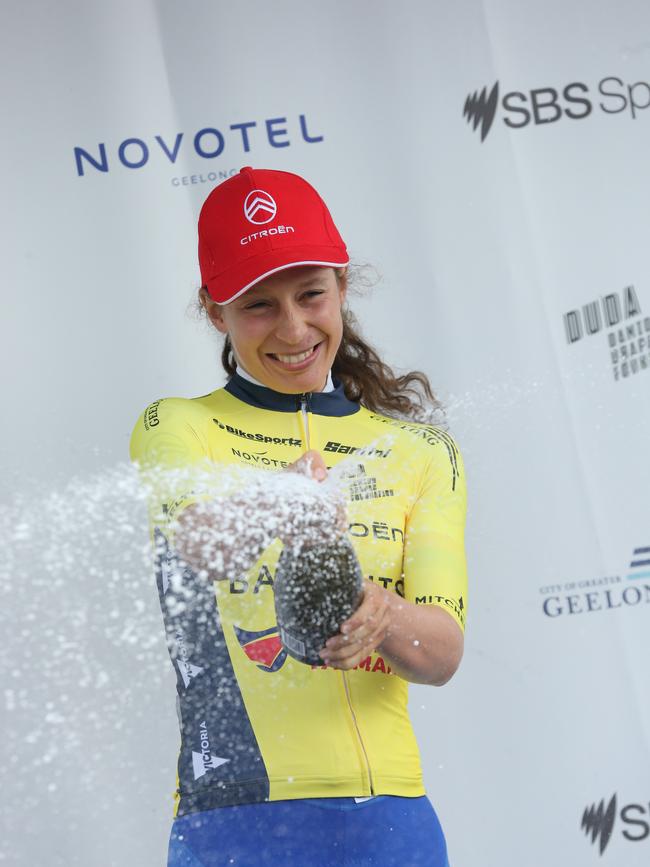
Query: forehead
pixel 301 277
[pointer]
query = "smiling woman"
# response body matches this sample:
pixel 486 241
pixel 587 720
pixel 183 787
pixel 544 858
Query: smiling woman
pixel 285 331
pixel 283 762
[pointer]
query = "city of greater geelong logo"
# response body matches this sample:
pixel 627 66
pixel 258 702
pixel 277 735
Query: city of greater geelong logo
pixel 619 315
pixel 543 105
pixel 599 820
pixel 604 593
pixel 259 207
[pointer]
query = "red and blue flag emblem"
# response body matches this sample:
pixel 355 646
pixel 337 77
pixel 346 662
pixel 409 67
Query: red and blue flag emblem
pixel 263 648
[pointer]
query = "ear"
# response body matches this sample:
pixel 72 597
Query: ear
pixel 213 310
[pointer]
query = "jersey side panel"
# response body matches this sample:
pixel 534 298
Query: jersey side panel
pixel 435 569
pixel 220 761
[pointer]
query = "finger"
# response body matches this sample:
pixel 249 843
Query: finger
pixel 310 464
pixel 366 613
pixel 317 467
pixel 342 647
pixel 356 636
pixel 348 662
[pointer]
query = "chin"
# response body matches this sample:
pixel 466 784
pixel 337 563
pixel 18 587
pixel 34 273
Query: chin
pixel 300 384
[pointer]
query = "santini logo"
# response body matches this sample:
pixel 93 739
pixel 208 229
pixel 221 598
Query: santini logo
pixel 481 108
pixel 599 822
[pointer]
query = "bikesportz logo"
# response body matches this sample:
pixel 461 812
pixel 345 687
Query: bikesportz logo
pixel 257 437
pixel 628 332
pixel 599 821
pixel 543 105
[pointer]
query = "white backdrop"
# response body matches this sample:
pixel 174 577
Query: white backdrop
pixel 485 248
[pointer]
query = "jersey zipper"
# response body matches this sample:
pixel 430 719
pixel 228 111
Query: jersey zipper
pixel 356 728
pixel 304 405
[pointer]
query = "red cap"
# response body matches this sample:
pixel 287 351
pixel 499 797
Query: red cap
pixel 261 221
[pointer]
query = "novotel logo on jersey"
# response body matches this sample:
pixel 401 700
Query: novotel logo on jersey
pixel 208 143
pixel 544 105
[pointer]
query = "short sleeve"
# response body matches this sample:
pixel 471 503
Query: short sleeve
pixel 434 565
pixel 171 456
pixel 164 436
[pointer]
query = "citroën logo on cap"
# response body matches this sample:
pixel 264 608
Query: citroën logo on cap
pixel 259 207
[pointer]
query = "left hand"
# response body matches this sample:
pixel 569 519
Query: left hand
pixel 361 633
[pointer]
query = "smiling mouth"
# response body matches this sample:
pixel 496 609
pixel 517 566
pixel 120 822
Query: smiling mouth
pixel 295 359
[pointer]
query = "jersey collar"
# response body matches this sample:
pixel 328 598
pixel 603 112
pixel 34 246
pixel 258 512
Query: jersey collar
pixel 333 403
pixel 329 385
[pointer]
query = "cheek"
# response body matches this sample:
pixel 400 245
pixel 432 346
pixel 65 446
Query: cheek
pixel 335 330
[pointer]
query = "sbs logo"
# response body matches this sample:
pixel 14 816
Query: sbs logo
pixel 481 108
pixel 598 821
pixel 259 207
pixel 544 105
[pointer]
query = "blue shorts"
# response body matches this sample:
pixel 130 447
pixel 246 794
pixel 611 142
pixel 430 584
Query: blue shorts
pixel 320 832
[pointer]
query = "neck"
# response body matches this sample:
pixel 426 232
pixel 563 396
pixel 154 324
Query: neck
pixel 329 385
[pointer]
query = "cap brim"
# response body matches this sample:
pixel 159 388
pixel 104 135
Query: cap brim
pixel 225 287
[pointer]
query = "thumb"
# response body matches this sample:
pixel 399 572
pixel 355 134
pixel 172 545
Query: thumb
pixel 316 465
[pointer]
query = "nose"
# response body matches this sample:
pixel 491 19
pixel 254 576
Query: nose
pixel 291 327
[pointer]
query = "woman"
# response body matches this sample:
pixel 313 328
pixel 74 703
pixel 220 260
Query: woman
pixel 282 762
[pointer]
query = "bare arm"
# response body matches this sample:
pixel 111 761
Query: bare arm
pixel 422 642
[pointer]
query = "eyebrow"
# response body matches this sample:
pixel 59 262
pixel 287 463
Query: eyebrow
pixel 317 278
pixel 259 293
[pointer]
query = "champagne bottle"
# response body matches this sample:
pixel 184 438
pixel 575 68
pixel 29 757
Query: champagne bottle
pixel 316 588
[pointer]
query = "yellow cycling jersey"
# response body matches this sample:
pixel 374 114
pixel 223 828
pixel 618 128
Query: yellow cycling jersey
pixel 256 724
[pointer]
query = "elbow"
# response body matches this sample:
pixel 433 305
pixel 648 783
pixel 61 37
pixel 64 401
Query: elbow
pixel 443 669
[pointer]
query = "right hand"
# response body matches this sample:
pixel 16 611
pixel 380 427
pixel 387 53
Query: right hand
pixel 310 464
pixel 329 515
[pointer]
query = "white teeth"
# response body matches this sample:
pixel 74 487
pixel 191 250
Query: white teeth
pixel 294 359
